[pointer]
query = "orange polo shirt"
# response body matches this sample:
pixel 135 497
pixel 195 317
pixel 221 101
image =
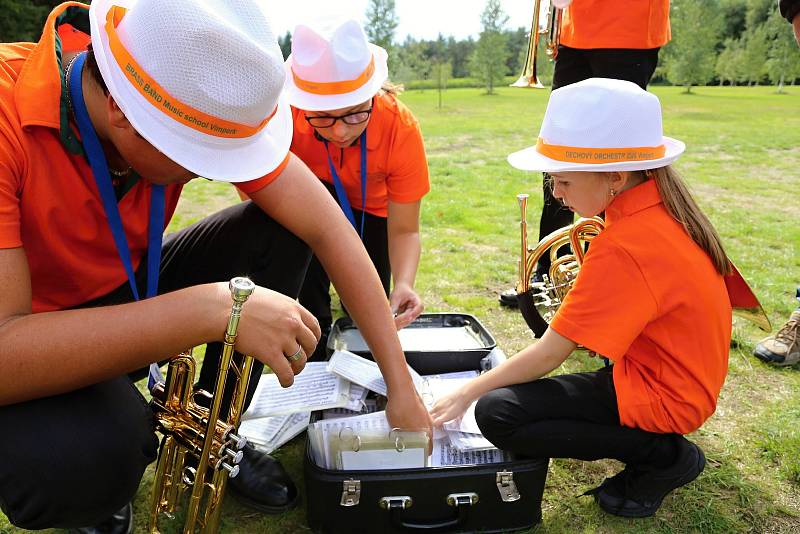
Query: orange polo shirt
pixel 649 298
pixel 637 24
pixel 49 203
pixel 397 168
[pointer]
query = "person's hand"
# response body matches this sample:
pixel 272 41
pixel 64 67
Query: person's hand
pixel 450 407
pixel 405 411
pixel 272 328
pixel 406 304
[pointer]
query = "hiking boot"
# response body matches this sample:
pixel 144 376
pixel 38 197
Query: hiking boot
pixel 784 347
pixel 638 492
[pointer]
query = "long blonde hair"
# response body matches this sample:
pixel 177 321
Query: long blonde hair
pixel 681 206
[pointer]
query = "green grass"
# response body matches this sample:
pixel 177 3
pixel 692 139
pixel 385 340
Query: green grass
pixel 742 163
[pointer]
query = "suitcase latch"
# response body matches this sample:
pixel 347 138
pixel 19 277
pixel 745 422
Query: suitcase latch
pixel 351 492
pixel 394 502
pixel 462 499
pixel 507 487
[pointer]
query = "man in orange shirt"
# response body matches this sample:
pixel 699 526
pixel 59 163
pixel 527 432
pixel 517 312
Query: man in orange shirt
pixel 650 296
pixel 617 39
pixel 366 147
pixel 95 148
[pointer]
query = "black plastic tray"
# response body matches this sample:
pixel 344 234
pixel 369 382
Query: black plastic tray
pixel 434 343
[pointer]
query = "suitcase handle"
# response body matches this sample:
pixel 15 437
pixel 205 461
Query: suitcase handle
pixel 462 502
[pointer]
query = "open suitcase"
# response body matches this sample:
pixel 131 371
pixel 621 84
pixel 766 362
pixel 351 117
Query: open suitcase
pixel 496 497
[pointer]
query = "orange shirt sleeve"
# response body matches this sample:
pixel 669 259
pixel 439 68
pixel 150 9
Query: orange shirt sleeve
pixel 408 180
pixel 252 186
pixel 610 303
pixel 10 236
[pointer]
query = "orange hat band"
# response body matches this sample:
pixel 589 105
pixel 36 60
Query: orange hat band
pixel 336 88
pixel 573 154
pixel 165 102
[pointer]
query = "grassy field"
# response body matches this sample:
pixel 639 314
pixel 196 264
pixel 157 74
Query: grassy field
pixel 742 163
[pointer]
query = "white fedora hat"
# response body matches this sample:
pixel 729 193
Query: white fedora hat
pixel 339 71
pixel 200 80
pixel 600 125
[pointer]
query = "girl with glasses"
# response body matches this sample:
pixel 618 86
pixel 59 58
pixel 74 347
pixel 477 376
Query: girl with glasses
pixel 366 148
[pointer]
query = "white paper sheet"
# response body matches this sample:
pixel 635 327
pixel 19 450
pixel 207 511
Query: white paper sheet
pixel 314 389
pixel 263 429
pixel 383 459
pixel 469 442
pixel 445 454
pixel 364 372
pixel 294 424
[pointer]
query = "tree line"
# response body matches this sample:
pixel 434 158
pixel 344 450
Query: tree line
pixel 721 42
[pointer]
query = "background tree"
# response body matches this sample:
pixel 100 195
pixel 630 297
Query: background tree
pixel 442 70
pixel 784 61
pixel 691 56
pixel 381 24
pixel 756 50
pixel 491 53
pixel 730 62
pixel 285 43
pixel 22 20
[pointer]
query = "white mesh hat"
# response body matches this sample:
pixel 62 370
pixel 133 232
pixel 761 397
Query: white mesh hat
pixel 200 80
pixel 334 72
pixel 600 125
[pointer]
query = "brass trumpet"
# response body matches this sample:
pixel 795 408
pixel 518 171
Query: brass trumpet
pixel 546 21
pixel 539 301
pixel 199 450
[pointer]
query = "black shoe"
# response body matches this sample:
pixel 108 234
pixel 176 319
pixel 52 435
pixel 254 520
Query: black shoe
pixel 509 298
pixel 119 523
pixel 639 492
pixel 263 484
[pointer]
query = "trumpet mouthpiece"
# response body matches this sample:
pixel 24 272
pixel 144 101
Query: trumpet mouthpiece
pixel 241 288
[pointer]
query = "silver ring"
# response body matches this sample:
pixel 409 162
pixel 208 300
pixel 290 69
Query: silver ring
pixel 296 356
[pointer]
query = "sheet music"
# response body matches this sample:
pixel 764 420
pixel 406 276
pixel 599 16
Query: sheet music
pixel 356 397
pixel 314 389
pixel 263 429
pixel 293 425
pixel 368 406
pixel 364 372
pixel 469 442
pixel 445 454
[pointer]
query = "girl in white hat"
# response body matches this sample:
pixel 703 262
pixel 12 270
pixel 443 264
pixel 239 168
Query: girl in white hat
pixel 367 149
pixel 650 296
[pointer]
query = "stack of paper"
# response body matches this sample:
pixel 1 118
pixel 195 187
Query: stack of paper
pixel 353 433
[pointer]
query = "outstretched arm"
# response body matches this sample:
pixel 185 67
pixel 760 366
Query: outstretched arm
pixel 529 364
pixel 298 201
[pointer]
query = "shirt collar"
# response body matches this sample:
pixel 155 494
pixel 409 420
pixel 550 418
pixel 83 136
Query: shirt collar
pixel 374 129
pixel 642 196
pixel 41 92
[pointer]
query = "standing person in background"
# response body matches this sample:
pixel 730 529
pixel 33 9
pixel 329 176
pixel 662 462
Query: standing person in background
pixel 617 39
pixel 784 347
pixel 366 147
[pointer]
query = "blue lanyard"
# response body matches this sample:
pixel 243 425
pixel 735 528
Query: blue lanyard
pixel 97 161
pixel 341 194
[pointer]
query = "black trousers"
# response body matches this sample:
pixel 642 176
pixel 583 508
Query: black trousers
pixel 315 293
pixel 569 416
pixel 574 65
pixel 74 459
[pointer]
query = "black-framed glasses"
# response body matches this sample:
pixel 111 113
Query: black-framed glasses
pixel 353 118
